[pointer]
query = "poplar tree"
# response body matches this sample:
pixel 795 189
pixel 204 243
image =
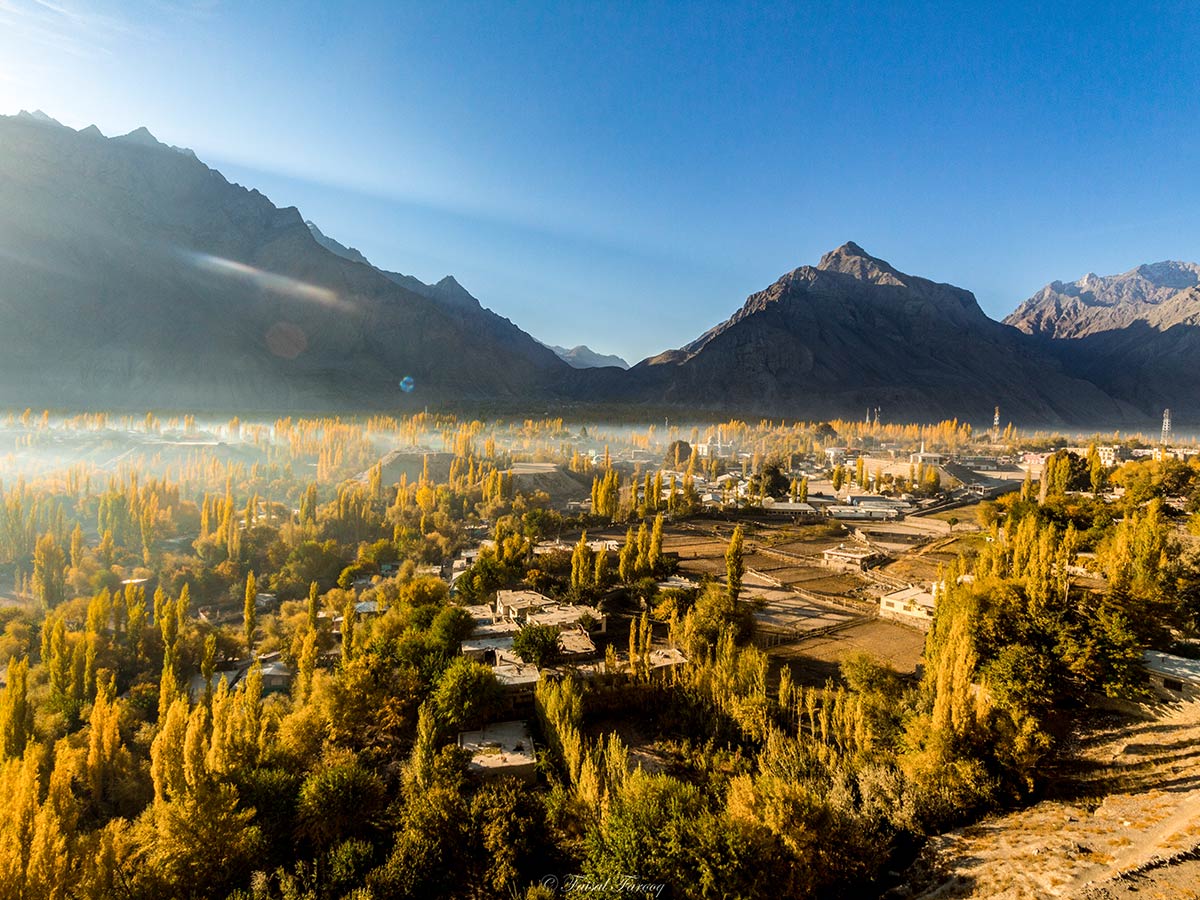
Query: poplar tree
pixel 627 561
pixel 735 567
pixel 654 556
pixel 251 612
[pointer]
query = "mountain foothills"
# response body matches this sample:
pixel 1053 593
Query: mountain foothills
pixel 133 276
pixel 1135 335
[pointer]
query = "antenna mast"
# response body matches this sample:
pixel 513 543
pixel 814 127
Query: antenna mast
pixel 1166 429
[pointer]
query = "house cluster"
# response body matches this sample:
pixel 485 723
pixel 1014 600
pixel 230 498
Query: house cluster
pixel 507 748
pixel 496 626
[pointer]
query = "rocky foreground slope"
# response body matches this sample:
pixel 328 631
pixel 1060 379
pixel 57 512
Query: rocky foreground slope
pixel 1127 825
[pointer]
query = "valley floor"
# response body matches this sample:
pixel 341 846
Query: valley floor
pixel 1123 820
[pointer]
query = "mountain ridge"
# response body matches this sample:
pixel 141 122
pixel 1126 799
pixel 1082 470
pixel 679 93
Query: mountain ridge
pixel 1136 334
pixel 149 280
pixel 854 332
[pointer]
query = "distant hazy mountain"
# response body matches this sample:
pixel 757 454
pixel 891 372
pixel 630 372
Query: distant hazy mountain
pixel 582 357
pixel 457 302
pixel 1136 335
pixel 132 275
pixel 853 333
pixel 1158 294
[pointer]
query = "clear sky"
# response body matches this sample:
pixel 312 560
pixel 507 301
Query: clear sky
pixel 624 174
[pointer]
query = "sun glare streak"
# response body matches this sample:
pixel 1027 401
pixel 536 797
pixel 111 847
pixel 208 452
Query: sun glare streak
pixel 267 281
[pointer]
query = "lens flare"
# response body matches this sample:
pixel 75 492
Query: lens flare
pixel 267 281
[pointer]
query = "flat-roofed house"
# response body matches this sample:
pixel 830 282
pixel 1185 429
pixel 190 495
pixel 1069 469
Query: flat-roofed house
pixel 1172 677
pixel 490 638
pixel 850 559
pixel 501 749
pixel 516 605
pixel 568 615
pixel 911 606
pixel 517 679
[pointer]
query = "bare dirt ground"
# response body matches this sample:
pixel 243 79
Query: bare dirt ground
pixel 817 659
pixel 921 565
pixel 1123 821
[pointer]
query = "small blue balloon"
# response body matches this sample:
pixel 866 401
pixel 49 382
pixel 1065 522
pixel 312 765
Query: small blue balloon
pixel 407 384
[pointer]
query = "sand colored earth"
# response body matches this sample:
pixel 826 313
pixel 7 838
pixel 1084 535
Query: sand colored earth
pixel 1124 822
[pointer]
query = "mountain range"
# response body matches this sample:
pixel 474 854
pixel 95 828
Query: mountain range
pixel 1136 335
pixel 133 276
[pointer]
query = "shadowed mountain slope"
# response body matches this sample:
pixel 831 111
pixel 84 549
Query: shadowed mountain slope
pixel 132 275
pixel 1136 335
pixel 853 333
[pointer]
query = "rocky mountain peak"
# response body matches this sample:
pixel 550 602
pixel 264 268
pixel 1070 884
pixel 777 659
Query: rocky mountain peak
pixel 141 136
pixel 851 259
pixel 1170 273
pixel 38 116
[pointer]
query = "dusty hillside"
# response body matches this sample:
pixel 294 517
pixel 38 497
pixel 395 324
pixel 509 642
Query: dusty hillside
pixel 1126 822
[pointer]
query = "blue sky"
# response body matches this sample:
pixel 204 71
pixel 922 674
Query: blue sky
pixel 624 174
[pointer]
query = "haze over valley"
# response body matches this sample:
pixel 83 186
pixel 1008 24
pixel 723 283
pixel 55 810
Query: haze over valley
pixel 664 451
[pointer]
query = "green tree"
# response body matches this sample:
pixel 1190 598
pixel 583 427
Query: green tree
pixel 536 644
pixel 251 612
pixel 655 555
pixel 49 580
pixel 466 692
pixel 735 566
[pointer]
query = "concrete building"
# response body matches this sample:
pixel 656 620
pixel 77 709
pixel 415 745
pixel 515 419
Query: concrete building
pixel 575 644
pixel 489 639
pixel 864 513
pixel 910 606
pixel 851 559
pixel 501 749
pixel 518 679
pixel 568 615
pixel 516 605
pixel 1172 677
pixel 1113 455
pixel 789 509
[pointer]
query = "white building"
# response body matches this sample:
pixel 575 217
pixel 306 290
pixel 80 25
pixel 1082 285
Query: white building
pixel 1172 677
pixel 911 606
